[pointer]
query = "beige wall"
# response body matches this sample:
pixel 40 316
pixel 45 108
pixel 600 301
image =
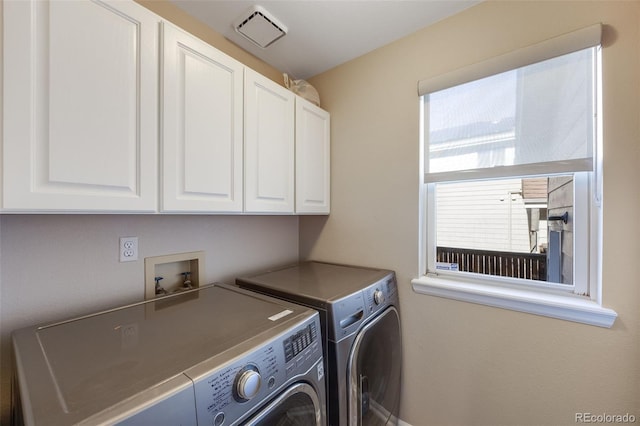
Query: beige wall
pixel 57 266
pixel 468 364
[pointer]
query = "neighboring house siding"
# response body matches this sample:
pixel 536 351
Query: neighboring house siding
pixel 561 201
pixel 488 215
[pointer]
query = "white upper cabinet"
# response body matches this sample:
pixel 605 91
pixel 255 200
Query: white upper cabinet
pixel 269 146
pixel 202 131
pixel 81 82
pixel 313 136
pixel 80 106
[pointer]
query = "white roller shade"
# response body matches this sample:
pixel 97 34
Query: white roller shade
pixel 536 119
pixel 577 40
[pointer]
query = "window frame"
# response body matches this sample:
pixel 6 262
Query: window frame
pixel 562 301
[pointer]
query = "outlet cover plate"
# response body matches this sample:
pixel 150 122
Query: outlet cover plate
pixel 128 249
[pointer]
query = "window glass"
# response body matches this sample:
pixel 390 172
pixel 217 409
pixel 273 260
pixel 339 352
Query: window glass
pixel 501 226
pixel 509 165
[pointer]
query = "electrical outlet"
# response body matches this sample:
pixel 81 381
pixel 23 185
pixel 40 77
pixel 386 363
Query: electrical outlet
pixel 128 249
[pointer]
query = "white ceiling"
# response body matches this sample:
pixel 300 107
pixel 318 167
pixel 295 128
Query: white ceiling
pixel 324 33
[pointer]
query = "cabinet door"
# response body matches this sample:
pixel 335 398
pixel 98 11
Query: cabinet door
pixel 80 114
pixel 313 138
pixel 269 146
pixel 202 126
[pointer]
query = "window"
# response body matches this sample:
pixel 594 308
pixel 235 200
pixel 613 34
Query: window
pixel 512 188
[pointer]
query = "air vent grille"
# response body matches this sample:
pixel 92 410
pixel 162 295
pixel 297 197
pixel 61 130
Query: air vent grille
pixel 260 27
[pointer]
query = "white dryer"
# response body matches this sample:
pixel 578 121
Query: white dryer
pixel 215 356
pixel 361 332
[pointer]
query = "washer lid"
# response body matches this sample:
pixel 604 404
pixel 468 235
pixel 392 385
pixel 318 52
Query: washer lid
pixel 77 368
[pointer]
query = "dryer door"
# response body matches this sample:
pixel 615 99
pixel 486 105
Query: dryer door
pixel 374 372
pixel 299 405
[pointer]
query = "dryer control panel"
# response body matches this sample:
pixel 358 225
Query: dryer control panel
pixel 381 294
pixel 351 312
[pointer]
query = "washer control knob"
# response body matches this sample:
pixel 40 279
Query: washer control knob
pixel 378 297
pixel 248 383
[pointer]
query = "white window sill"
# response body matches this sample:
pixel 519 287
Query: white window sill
pixel 561 306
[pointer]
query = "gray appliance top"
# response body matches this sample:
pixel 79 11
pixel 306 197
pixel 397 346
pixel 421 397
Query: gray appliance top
pixel 346 295
pixel 318 281
pixel 93 362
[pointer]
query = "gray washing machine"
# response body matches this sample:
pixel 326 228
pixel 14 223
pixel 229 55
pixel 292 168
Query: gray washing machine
pixel 361 333
pixel 215 356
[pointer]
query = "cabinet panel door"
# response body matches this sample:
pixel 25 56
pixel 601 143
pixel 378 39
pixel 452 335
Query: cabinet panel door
pixel 80 112
pixel 269 146
pixel 313 185
pixel 202 126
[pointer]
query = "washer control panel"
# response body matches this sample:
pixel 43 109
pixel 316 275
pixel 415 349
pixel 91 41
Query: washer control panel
pixel 233 391
pixel 247 383
pixel 300 341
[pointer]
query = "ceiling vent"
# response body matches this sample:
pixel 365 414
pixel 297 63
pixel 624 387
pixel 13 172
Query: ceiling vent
pixel 260 27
